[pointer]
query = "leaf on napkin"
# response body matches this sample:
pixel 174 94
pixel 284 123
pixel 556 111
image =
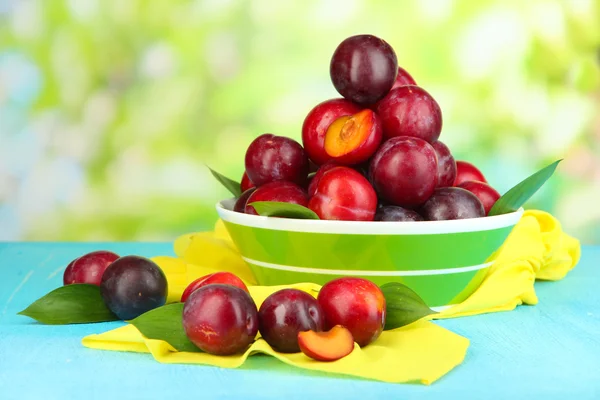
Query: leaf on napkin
pixel 517 196
pixel 70 304
pixel 284 210
pixel 231 185
pixel 403 305
pixel 165 323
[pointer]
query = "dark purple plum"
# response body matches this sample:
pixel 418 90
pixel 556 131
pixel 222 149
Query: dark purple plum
pixel 240 203
pixel 284 314
pixel 271 158
pixel 89 268
pixel 220 319
pixel 452 203
pixel 395 213
pixel 404 171
pixel 133 285
pixel 410 111
pixel 363 69
pixel 285 192
pixel 446 165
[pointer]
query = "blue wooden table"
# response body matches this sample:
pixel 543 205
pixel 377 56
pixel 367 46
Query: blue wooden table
pixel 548 351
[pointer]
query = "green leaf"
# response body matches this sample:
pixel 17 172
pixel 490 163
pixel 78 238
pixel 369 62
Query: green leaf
pixel 70 304
pixel 403 305
pixel 165 323
pixel 231 185
pixel 284 210
pixel 517 196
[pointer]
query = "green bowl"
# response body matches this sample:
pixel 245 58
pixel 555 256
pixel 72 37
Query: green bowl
pixel 443 261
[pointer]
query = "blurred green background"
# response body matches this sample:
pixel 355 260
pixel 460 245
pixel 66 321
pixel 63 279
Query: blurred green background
pixel 109 109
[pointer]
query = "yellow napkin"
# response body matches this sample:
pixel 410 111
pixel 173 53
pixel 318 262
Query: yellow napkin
pixel 537 248
pixel 420 352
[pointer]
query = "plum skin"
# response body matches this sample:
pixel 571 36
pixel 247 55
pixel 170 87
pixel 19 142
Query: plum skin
pixel 363 69
pixel 220 319
pixel 404 171
pixel 271 158
pixel 284 314
pixel 343 194
pixel 133 285
pixel 451 203
pixel 286 192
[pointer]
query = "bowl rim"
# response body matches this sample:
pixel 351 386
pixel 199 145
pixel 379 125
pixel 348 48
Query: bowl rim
pixel 225 211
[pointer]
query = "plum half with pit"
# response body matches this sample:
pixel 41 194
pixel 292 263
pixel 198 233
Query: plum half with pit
pixel 220 319
pixel 284 314
pixel 484 192
pixel 404 171
pixel 344 194
pixel 271 158
pixel 133 285
pixel 410 111
pixel 317 122
pixel 363 68
pixel 285 192
pixel 89 268
pixel 446 165
pixel 396 213
pixel 450 203
pixel 353 139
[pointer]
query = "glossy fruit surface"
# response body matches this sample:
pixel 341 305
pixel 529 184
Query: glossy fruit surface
pixel 246 183
pixel 286 192
pixel 363 68
pixel 452 203
pixel 312 188
pixel 284 314
pixel 410 111
pixel 351 140
pixel 133 285
pixel 240 203
pixel 446 165
pixel 220 319
pixel 465 171
pixel 222 277
pixel 396 213
pixel 404 171
pixel 484 192
pixel 403 78
pixel 89 268
pixel 272 158
pixel 316 123
pixel 355 303
pixel 344 194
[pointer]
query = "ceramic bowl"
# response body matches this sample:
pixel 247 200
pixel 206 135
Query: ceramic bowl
pixel 443 261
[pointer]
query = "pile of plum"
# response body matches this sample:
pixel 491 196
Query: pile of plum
pixel 220 317
pixel 372 155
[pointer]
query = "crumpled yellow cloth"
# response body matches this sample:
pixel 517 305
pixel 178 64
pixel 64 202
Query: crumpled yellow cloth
pixel 420 352
pixel 537 248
